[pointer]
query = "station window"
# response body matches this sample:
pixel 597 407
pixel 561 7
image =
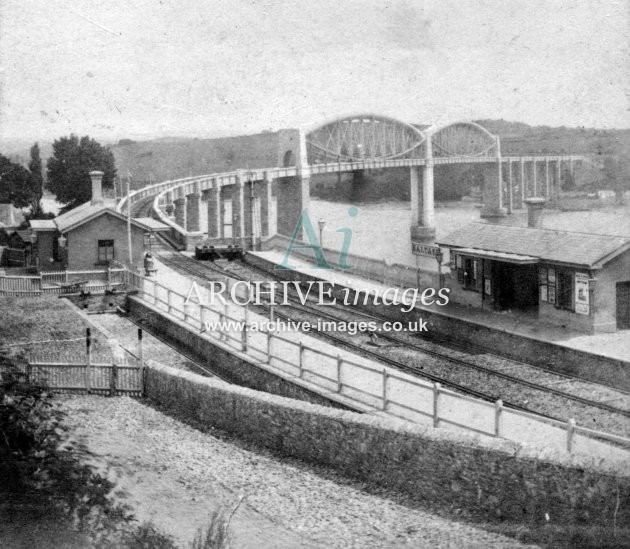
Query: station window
pixel 105 251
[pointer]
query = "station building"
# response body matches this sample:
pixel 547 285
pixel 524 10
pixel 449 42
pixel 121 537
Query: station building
pixel 89 237
pixel 580 281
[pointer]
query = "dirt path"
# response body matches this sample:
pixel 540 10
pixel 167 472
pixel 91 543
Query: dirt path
pixel 176 476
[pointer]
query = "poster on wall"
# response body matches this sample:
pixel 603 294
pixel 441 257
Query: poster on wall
pixel 581 294
pixel 551 291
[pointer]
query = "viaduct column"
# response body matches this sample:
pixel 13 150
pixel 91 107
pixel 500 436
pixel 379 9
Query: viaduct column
pixel 523 183
pixel 238 208
pixel 493 189
pixel 294 192
pixel 557 185
pixel 416 195
pixel 422 203
pixel 214 210
pixel 193 203
pixel 547 187
pixel 168 205
pixel 510 204
pixel 265 205
pixel 180 207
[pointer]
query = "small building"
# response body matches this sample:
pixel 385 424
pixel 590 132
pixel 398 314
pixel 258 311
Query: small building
pixel 576 280
pixel 92 236
pixel 17 248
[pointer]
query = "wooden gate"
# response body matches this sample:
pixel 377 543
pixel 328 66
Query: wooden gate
pixel 104 379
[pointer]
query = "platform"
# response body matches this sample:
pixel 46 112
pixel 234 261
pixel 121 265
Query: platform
pixel 614 346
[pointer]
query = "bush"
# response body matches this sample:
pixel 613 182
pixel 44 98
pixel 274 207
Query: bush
pixel 41 470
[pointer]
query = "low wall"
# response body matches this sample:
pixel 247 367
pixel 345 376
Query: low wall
pixel 483 476
pixel 546 354
pixel 228 364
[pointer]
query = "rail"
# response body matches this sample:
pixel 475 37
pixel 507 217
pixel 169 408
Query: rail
pixel 369 384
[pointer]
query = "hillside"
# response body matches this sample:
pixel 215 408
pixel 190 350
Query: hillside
pixel 170 158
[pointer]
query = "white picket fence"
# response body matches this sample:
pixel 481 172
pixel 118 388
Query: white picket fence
pixel 374 386
pixel 59 282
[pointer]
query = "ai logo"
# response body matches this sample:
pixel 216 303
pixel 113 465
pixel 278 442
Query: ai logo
pixel 304 223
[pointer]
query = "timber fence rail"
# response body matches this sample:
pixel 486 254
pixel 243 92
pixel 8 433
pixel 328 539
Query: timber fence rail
pixel 60 282
pixel 78 365
pixel 370 384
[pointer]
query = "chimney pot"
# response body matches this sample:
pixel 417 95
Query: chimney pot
pixel 535 207
pixel 97 191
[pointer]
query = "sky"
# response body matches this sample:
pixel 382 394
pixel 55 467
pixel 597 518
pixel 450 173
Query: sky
pixel 204 68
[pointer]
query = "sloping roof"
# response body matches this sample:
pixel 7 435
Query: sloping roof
pixel 88 211
pixel 42 224
pixel 78 215
pixel 573 248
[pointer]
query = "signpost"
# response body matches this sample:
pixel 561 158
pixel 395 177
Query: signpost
pixel 428 250
pixel 425 249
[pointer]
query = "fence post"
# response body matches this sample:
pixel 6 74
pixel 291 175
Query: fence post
pixel 339 361
pixel 109 277
pixel 141 361
pixel 269 336
pixel 113 379
pixel 272 313
pixel 301 360
pixel 88 358
pixel 140 348
pixel 436 400
pixel 168 300
pixel 385 376
pixel 498 409
pixel 244 333
pixel 570 433
pixel 222 336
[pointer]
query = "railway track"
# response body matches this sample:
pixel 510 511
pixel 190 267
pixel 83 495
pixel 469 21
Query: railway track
pixel 466 369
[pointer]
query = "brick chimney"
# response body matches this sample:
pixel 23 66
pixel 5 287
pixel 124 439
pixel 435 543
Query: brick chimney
pixel 97 191
pixel 535 207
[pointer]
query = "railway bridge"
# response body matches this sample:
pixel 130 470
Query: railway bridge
pixel 350 144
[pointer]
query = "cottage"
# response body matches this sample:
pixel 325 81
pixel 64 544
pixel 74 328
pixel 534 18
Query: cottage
pixel 577 280
pixel 92 236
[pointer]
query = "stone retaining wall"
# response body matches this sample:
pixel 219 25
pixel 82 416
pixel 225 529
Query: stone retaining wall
pixel 227 364
pixel 483 476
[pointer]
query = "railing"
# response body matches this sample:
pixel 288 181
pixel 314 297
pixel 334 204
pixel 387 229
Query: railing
pixel 373 386
pixel 59 282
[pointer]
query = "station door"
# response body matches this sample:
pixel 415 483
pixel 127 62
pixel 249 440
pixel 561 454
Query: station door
pixel 623 305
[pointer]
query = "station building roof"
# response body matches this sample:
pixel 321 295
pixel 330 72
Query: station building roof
pixel 88 211
pixel 561 247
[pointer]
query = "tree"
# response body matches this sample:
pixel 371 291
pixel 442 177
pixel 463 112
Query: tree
pixel 69 167
pixel 37 183
pixel 15 183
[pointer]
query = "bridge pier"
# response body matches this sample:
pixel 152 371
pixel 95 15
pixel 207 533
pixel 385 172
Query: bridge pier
pixel 492 193
pixel 193 203
pixel 238 208
pixel 169 207
pixel 422 198
pixel 215 224
pixel 265 205
pixel 180 208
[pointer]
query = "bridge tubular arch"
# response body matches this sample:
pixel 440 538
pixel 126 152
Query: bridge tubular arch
pixel 363 137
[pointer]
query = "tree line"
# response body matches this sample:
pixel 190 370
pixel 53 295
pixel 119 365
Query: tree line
pixel 67 175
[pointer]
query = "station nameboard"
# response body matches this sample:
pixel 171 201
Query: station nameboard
pixel 424 249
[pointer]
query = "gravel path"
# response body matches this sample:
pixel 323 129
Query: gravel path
pixel 176 475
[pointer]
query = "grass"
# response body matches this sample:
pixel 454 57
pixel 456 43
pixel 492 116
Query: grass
pixel 44 318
